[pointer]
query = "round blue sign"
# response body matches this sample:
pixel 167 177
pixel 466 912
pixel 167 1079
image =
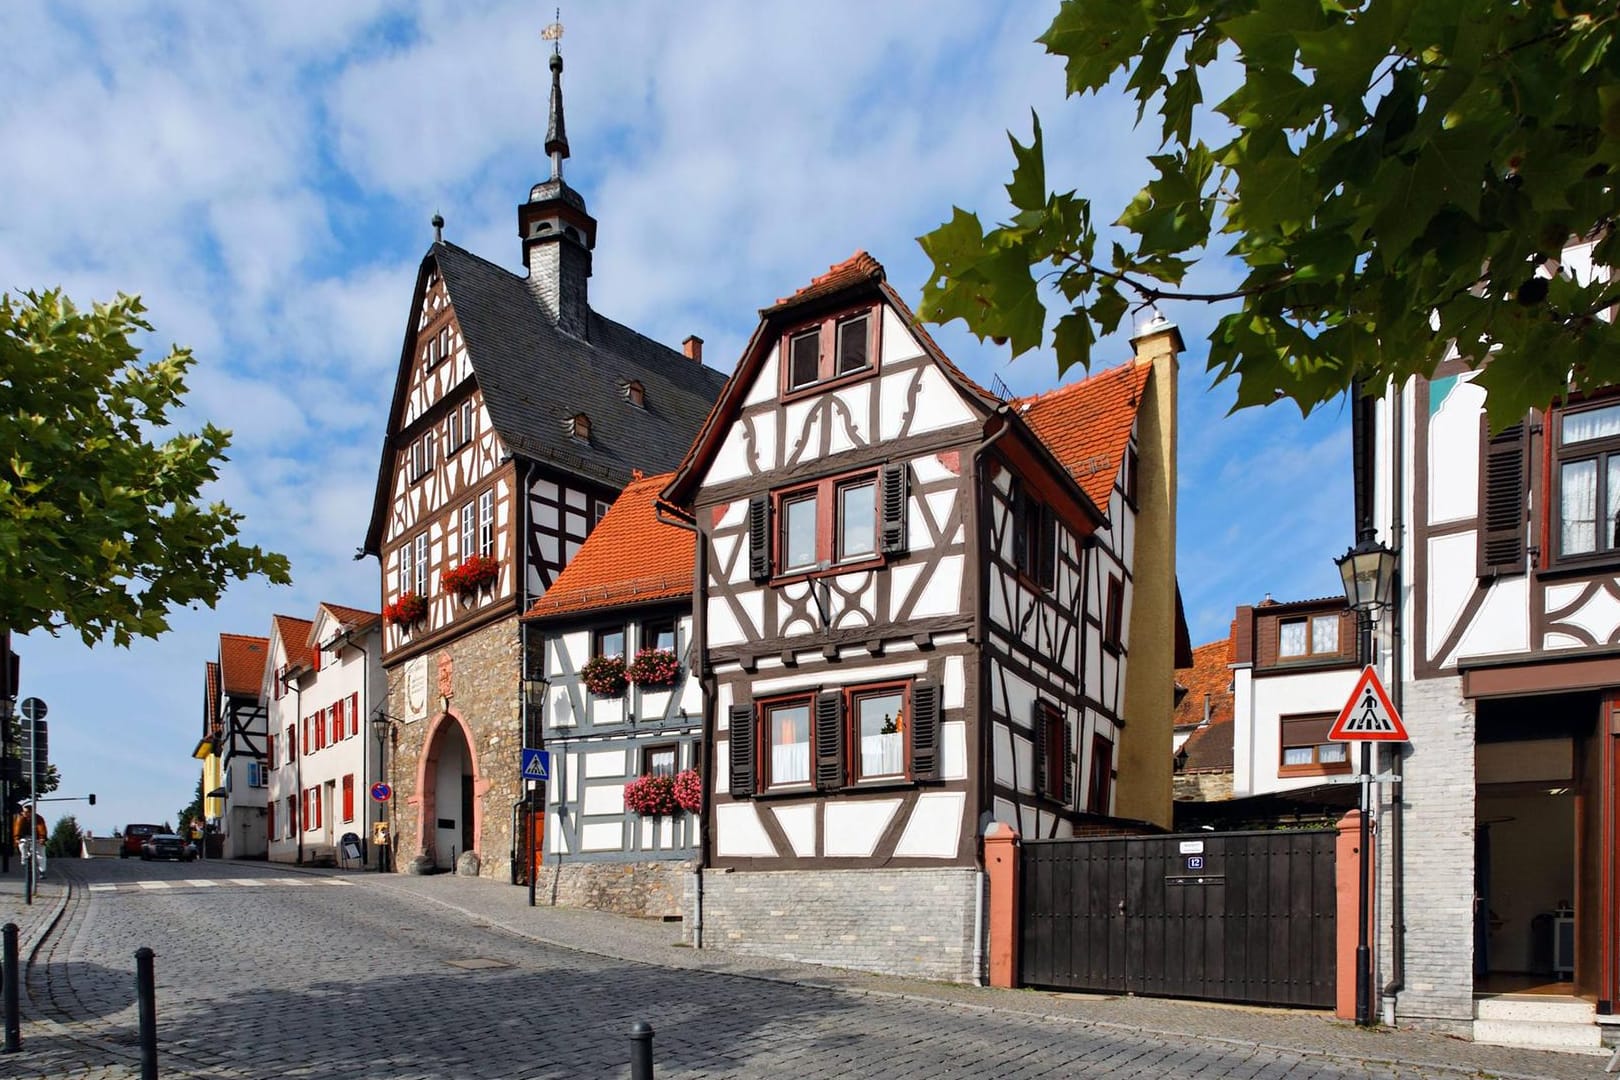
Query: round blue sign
pixel 381 792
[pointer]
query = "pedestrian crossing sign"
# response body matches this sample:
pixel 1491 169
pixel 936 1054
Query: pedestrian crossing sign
pixel 536 764
pixel 1368 716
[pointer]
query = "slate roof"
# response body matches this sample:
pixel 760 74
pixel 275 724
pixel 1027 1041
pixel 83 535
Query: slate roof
pixel 629 558
pixel 1210 674
pixel 294 634
pixel 1087 425
pixel 241 663
pixel 534 377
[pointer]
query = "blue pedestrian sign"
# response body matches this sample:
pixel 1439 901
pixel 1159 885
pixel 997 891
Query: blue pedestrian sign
pixel 536 764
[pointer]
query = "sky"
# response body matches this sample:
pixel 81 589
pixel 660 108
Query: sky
pixel 264 175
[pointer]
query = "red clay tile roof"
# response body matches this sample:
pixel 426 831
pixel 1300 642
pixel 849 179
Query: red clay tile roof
pixel 1209 674
pixel 241 660
pixel 857 268
pixel 294 634
pixel 210 695
pixel 352 618
pixel 630 558
pixel 1087 424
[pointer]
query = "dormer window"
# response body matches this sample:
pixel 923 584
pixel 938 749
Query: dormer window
pixel 634 394
pixel 835 348
pixel 578 427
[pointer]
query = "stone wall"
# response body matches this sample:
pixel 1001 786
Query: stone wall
pixel 484 681
pixel 916 922
pixel 1203 786
pixel 651 889
pixel 1439 860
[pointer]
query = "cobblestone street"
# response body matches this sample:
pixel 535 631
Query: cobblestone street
pixel 267 972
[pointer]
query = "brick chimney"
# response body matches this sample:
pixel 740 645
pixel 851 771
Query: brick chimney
pixel 693 348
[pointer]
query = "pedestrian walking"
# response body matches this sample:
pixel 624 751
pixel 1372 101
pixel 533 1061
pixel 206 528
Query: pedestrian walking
pixel 30 840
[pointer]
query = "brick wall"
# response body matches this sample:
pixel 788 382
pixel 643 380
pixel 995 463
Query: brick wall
pixel 484 678
pixel 1439 860
pixel 651 890
pixel 916 922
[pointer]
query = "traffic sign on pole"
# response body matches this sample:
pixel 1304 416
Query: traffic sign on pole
pixel 1368 716
pixel 536 764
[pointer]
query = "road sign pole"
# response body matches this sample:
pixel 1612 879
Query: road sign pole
pixel 33 810
pixel 529 840
pixel 1364 895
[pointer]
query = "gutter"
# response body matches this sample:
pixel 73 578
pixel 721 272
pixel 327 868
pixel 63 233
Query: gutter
pixel 1397 686
pixel 697 668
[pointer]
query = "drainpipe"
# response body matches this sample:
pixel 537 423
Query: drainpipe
pixel 698 669
pixel 521 570
pixel 1397 818
pixel 298 764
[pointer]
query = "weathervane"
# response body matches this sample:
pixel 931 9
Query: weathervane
pixel 553 33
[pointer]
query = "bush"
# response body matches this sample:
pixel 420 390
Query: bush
pixel 65 841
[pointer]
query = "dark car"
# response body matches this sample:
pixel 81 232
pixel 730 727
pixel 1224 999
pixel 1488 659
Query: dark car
pixel 134 837
pixel 168 846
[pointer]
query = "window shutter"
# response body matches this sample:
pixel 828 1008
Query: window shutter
pixel 896 490
pixel 1502 502
pixel 1046 572
pixel 1037 718
pixel 829 741
pixel 924 731
pixel 742 750
pixel 354 713
pixel 1068 764
pixel 759 539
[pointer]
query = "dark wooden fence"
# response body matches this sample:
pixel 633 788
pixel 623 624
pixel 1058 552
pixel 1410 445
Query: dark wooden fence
pixel 1246 917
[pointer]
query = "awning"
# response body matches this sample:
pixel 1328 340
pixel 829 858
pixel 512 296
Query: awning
pixel 217 793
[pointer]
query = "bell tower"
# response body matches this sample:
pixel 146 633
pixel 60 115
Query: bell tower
pixel 557 231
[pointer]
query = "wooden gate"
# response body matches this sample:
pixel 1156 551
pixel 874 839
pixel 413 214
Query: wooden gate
pixel 1225 916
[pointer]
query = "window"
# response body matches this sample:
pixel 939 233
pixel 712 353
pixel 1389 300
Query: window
pixel 403 583
pixel 420 578
pixel 1034 542
pixel 608 642
pixel 338 721
pixel 452 432
pixel 444 342
pixel 270 750
pixel 486 524
pixel 787 734
pixel 469 530
pixel 599 509
pixel 256 775
pixel 423 455
pixel 658 634
pixel 1588 498
pixel 1306 750
pixel 1315 635
pixel 635 395
pixel 660 760
pixel 307 744
pixel 831 349
pixel 1131 466
pixel 1114 614
pixel 830 521
pixel 431 352
pixel 579 427
pixel 1100 796
pixel 292 744
pixel 348 797
pixel 1051 744
pixel 879 720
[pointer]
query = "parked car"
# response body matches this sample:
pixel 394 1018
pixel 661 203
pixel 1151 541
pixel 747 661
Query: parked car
pixel 134 837
pixel 165 845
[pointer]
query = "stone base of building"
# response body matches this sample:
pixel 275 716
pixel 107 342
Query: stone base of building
pixel 656 889
pixel 912 922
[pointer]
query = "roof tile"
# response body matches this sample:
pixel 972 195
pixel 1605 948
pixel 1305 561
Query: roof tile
pixel 294 634
pixel 629 558
pixel 1087 425
pixel 241 661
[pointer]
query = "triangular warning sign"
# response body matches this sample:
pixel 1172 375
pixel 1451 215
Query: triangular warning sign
pixel 536 769
pixel 1368 716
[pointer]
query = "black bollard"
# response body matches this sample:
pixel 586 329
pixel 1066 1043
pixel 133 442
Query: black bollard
pixel 641 1034
pixel 13 1005
pixel 146 997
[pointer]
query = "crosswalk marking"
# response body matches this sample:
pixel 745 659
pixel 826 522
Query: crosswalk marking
pixel 160 884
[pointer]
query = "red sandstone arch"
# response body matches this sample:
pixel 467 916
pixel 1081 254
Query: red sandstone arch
pixel 427 788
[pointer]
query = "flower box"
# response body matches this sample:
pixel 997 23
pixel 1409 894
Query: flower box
pixel 604 675
pixel 473 574
pixel 688 790
pixel 409 609
pixel 651 796
pixel 654 667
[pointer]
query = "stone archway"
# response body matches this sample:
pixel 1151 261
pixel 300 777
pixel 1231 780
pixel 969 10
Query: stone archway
pixel 451 788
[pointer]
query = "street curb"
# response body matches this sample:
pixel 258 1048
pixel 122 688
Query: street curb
pixel 926 999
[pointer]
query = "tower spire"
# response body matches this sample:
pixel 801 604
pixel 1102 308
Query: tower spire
pixel 556 132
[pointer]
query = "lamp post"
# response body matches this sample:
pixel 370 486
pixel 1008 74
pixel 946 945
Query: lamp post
pixel 381 722
pixel 1368 570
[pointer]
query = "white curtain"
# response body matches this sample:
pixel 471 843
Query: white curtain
pixel 1291 639
pixel 1592 424
pixel 790 763
pixel 882 755
pixel 1578 507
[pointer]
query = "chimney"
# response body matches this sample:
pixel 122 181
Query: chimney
pixel 693 348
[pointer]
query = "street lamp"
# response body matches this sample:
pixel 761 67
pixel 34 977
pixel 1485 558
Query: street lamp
pixel 381 723
pixel 1368 571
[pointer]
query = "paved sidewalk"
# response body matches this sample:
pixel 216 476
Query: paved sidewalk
pixel 1308 1032
pixel 33 920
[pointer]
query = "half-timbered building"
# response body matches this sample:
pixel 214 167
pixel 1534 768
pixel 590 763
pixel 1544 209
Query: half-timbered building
pixel 922 609
pixel 232 748
pixel 323 680
pixel 1499 863
pixel 624 604
pixel 518 415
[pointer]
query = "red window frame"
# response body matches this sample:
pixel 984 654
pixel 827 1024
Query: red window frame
pixel 852 732
pixel 762 740
pixel 826 329
pixel 826 493
pixel 354 713
pixel 348 797
pixel 270 749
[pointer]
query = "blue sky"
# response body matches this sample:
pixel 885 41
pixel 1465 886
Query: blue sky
pixel 264 175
